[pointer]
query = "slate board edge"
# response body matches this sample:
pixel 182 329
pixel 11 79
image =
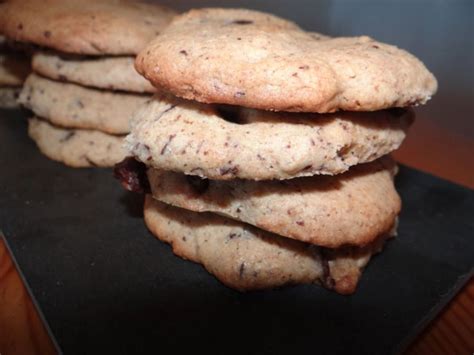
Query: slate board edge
pixel 433 313
pixel 36 304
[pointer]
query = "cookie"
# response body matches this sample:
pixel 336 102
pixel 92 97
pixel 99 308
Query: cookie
pixel 113 73
pixel 247 58
pixel 247 258
pixel 14 68
pixel 9 97
pixel 230 142
pixel 331 211
pixel 74 106
pixel 75 147
pixel 84 27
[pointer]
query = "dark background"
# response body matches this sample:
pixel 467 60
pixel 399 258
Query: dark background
pixel 439 32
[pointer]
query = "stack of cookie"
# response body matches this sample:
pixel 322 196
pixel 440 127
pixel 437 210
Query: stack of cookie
pixel 14 68
pixel 84 88
pixel 264 198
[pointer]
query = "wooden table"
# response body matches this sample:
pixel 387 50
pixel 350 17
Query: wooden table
pixel 452 332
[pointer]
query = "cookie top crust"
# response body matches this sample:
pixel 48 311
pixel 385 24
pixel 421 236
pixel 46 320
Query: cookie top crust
pixel 84 27
pixel 226 142
pixel 257 60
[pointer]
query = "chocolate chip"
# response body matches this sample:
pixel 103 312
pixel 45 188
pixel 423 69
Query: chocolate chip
pixel 304 67
pixel 241 270
pixel 47 34
pixel 132 175
pixel 68 136
pixel 300 223
pixel 170 138
pixel 20 26
pixel 198 184
pixel 183 52
pixel 91 163
pixel 96 47
pixel 171 107
pixel 242 22
pixel 344 126
pixel 233 235
pixel 231 170
pixel 375 46
pixel 326 278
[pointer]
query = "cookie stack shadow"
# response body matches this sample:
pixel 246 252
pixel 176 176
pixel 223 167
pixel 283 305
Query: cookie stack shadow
pixel 267 159
pixel 84 88
pixel 14 68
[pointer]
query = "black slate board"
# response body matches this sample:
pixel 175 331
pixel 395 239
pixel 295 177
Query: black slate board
pixel 105 285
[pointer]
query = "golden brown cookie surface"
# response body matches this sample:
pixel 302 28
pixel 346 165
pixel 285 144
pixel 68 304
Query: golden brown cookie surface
pixel 84 27
pixel 331 211
pixel 227 143
pixel 252 59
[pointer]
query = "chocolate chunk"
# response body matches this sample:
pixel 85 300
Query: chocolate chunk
pixel 231 170
pixel 96 46
pixel 326 280
pixel 132 175
pixel 92 163
pixel 242 270
pixel 233 235
pixel 198 184
pixel 242 22
pixel 170 138
pixel 67 136
pixel 168 109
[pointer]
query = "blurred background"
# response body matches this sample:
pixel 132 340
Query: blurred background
pixel 439 32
